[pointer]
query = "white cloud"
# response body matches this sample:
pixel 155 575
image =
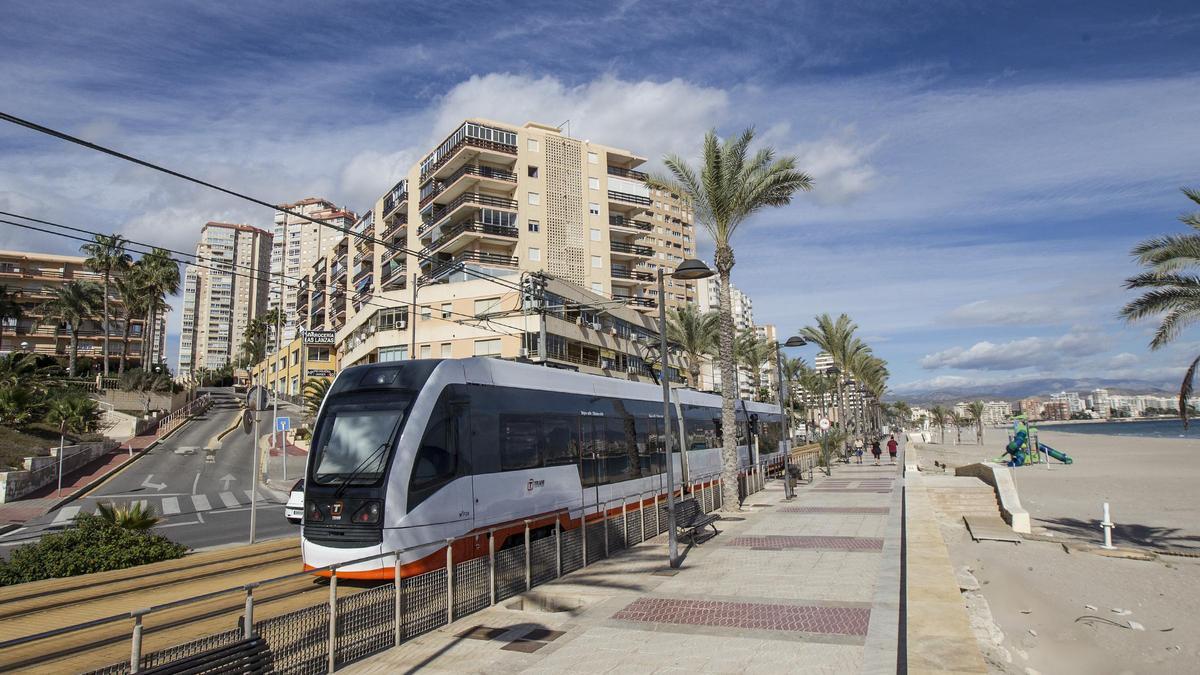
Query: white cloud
pixel 839 166
pixel 1030 352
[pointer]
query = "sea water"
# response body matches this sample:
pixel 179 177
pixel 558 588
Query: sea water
pixel 1166 428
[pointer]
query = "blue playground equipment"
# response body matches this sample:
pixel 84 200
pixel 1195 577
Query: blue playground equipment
pixel 1019 451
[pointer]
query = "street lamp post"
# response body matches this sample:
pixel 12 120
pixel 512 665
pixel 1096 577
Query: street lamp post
pixel 687 270
pixel 794 341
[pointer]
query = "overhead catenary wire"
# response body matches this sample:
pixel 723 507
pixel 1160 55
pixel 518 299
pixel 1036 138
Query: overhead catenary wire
pixel 344 289
pixel 258 277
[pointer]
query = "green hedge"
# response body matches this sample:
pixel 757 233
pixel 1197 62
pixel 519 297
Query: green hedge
pixel 91 545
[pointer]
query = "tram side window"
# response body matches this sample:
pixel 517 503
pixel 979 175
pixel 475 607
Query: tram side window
pixel 619 453
pixel 592 445
pixel 519 438
pixel 437 458
pixel 770 433
pixel 559 444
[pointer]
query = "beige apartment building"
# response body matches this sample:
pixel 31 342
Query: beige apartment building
pixel 488 208
pixel 31 278
pixel 221 298
pixel 296 244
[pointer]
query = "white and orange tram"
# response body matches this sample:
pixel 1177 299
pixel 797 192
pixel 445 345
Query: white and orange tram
pixel 408 455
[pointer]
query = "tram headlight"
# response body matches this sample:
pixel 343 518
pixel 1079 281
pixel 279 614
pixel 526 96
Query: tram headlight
pixel 314 513
pixel 368 513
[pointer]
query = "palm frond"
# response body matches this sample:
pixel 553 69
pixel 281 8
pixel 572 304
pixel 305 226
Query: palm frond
pixel 1185 391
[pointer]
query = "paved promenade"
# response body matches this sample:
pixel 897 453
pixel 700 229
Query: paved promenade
pixel 806 585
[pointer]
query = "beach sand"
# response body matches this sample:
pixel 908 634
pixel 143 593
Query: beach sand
pixel 1031 606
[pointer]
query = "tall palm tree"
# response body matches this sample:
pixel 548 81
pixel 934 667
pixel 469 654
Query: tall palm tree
pixel 162 280
pixel 10 310
pixel 753 352
pixel 958 421
pixel 975 410
pixel 939 416
pixel 696 334
pixel 728 187
pixel 73 303
pixel 1172 290
pixel 106 255
pixel 792 370
pixel 131 292
pixel 836 338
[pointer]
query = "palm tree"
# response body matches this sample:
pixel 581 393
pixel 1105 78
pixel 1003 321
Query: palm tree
pixel 752 352
pixel 793 373
pixel 18 405
pixel 161 278
pixel 314 395
pixel 975 410
pixel 958 421
pixel 106 255
pixel 1172 290
pixel 836 338
pixel 138 516
pixel 10 310
pixel 76 414
pixel 724 191
pixel 73 303
pixel 696 334
pixel 254 342
pixel 131 291
pixel 938 416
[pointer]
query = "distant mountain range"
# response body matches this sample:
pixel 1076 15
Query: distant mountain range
pixel 1018 389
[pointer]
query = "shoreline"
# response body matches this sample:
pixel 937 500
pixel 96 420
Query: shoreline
pixel 1112 420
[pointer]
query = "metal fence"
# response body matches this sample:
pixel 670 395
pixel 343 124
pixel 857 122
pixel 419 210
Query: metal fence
pixel 323 637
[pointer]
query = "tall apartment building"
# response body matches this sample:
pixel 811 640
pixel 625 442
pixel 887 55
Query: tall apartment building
pixel 708 299
pixel 221 298
pixel 489 206
pixel 31 278
pixel 296 244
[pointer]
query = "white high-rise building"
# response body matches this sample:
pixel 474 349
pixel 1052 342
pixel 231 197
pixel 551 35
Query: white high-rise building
pixel 297 244
pixel 1100 401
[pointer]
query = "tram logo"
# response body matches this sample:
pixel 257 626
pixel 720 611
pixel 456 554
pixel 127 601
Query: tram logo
pixel 534 484
pixel 335 510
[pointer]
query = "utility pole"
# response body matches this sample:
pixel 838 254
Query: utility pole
pixel 412 320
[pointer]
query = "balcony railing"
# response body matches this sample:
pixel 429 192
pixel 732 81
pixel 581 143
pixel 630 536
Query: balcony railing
pixel 469 135
pixel 395 197
pixel 394 276
pixel 622 221
pixel 626 197
pixel 470 226
pixel 636 301
pixel 627 173
pixel 437 187
pixel 619 273
pixel 398 225
pixel 467 198
pixel 635 249
pixel 457 263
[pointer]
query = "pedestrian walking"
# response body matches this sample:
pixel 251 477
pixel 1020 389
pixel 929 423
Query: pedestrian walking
pixel 892 446
pixel 875 450
pixel 858 452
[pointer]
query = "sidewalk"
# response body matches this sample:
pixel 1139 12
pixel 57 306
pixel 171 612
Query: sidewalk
pixel 809 585
pixel 273 465
pixel 45 499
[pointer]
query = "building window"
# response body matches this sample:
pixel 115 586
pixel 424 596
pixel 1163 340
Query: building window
pixel 593 158
pixel 393 353
pixel 486 306
pixel 596 262
pixel 595 234
pixel 593 208
pixel 597 287
pixel 534 226
pixel 489 347
pixel 593 182
pixel 318 353
pixel 426 313
pixel 533 171
pixel 532 144
pixel 447 310
pixel 535 254
pixel 535 198
pixel 445 350
pixel 426 351
pixel 296 356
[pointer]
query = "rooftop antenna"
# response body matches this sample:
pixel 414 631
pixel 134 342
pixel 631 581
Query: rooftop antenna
pixel 566 124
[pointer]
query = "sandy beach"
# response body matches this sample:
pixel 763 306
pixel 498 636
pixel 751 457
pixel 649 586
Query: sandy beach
pixel 1033 597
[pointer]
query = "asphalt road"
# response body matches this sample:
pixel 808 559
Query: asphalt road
pixel 202 492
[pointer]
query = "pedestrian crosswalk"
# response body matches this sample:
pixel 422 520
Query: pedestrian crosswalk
pixel 175 505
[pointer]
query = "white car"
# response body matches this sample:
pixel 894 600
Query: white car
pixel 294 511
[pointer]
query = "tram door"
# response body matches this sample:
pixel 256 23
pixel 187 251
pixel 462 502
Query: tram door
pixel 592 452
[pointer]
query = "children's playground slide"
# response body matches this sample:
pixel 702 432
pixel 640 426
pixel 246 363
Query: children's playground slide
pixel 1020 452
pixel 1060 456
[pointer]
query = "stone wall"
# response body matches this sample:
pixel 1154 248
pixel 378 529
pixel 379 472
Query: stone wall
pixel 43 470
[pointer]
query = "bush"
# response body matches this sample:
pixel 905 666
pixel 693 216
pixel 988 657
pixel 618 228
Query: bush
pixel 303 434
pixel 91 545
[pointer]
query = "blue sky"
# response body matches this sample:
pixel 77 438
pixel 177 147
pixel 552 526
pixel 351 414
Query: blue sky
pixel 982 169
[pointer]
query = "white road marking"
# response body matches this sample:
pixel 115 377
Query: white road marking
pixel 201 502
pixel 65 514
pixel 19 529
pixel 195 482
pixel 249 494
pixel 229 500
pixel 170 506
pixel 131 495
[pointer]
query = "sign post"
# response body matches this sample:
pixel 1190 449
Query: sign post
pixel 256 400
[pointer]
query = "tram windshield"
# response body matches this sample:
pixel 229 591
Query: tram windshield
pixel 353 444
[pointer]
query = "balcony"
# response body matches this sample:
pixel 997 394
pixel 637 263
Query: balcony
pixel 466 178
pixel 457 236
pixel 636 302
pixel 470 141
pixel 627 198
pixel 463 201
pixel 632 275
pixel 394 277
pixel 446 267
pixel 629 223
pixel 621 249
pixel 397 226
pixel 397 196
pixel 627 173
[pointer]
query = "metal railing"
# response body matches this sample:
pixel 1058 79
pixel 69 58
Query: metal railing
pixel 635 249
pixel 626 173
pixel 622 221
pixel 322 637
pixel 614 195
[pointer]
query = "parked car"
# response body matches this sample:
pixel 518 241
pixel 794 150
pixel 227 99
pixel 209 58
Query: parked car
pixel 294 511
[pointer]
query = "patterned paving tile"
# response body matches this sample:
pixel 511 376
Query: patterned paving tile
pixel 774 542
pixel 850 510
pixel 836 489
pixel 801 618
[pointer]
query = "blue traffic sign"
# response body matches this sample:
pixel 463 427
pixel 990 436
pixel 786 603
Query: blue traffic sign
pixel 283 424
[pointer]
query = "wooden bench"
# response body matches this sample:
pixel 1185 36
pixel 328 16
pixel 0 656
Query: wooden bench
pixel 243 656
pixel 691 518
